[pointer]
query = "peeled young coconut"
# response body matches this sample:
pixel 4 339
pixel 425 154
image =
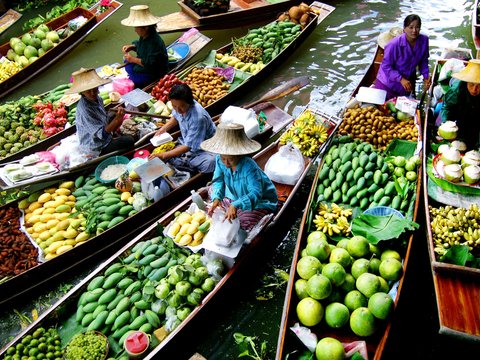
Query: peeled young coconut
pixel 471 158
pixel 471 174
pixel 305 8
pixel 304 20
pixel 453 172
pixel 295 12
pixel 459 145
pixel 448 130
pixel 442 148
pixel 451 156
pixel 114 96
pixel 284 17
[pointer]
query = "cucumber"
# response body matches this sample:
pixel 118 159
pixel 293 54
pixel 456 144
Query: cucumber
pixel 107 296
pixel 112 280
pixel 96 283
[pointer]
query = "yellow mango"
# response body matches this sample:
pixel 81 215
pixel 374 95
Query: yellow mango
pixel 63 248
pixel 45 217
pixel 184 218
pixel 70 233
pixel 50 190
pixel 63 209
pixel 71 204
pixel 125 196
pixel 58 236
pixel 49 211
pixel 40 227
pixel 69 242
pixel 63 191
pixel 52 223
pixel 174 229
pixel 198 236
pixel 30 230
pixel 75 223
pixel 61 216
pixel 183 229
pixel 44 235
pixel 34 235
pixel 53 230
pixel 50 204
pixel 28 216
pixel 71 198
pixel 62 225
pixel 61 199
pixel 130 200
pixel 192 228
pixel 177 237
pixel 185 240
pixel 54 246
pixel 23 204
pixel 67 185
pixel 199 217
pixel 38 211
pixel 48 242
pixel 34 219
pixel 44 198
pixel 81 237
pixel 43 245
pixel 50 256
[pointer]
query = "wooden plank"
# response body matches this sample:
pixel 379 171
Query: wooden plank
pixel 8 19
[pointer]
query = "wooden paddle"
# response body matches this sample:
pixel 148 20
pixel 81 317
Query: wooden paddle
pixel 281 90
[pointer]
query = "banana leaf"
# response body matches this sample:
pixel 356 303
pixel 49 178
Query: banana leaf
pixel 448 186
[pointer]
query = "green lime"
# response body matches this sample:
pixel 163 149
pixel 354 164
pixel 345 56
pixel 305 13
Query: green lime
pixel 50 355
pixel 34 343
pixel 33 352
pixel 42 347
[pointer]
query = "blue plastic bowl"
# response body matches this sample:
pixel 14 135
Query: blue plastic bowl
pixel 383 211
pixel 110 161
pixel 182 49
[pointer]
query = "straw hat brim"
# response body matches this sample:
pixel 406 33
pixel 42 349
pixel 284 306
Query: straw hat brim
pixel 385 37
pixel 86 79
pixel 140 15
pixel 230 139
pixel 471 72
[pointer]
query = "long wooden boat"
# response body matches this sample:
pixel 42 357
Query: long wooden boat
pixel 288 345
pixel 457 287
pixel 216 107
pixel 67 304
pixel 12 287
pixel 476 27
pixel 196 42
pixel 63 47
pixel 240 12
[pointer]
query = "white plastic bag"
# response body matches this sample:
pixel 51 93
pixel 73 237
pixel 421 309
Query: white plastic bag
pixel 450 67
pixel 223 231
pixel 286 166
pixel 247 118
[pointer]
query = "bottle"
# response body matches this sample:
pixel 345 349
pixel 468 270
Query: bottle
pixel 197 199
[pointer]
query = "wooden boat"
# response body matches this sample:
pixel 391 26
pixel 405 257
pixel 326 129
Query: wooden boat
pixel 288 343
pixel 63 47
pixel 8 18
pixel 456 286
pixel 196 42
pixel 241 12
pixel 476 27
pixel 114 237
pixel 323 10
pixel 67 304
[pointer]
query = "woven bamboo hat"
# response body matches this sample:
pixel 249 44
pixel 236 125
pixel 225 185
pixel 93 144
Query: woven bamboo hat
pixel 471 73
pixel 230 139
pixel 140 15
pixel 385 37
pixel 86 79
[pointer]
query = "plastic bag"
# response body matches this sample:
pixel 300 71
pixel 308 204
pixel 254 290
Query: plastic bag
pixel 286 166
pixel 223 232
pixel 245 117
pixel 123 86
pixel 450 67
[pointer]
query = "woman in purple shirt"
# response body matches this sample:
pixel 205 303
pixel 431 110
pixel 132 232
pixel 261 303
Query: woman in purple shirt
pixel 402 56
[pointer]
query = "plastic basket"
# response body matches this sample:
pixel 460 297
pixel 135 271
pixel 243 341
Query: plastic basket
pixel 383 211
pixel 114 160
pixel 180 48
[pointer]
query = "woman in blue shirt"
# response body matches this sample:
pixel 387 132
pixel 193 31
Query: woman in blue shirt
pixel 239 184
pixel 151 62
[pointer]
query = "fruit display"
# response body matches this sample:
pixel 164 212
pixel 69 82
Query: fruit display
pixel 345 285
pixel 208 7
pixel 355 174
pixel 88 345
pixel 164 147
pixel 52 117
pixel 297 14
pixel 207 85
pixel 162 88
pixel 333 219
pixel 374 126
pixel 189 229
pixel 40 344
pixel 253 66
pixel 308 133
pixel 155 285
pixel 7 69
pixel 455 226
pixel 27 49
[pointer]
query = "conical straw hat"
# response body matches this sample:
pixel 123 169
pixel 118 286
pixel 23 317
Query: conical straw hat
pixel 140 15
pixel 86 79
pixel 471 73
pixel 230 139
pixel 385 37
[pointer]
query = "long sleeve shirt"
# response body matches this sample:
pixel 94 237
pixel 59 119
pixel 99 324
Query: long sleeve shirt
pixel 195 126
pixel 91 119
pixel 463 108
pixel 248 186
pixel 400 60
pixel 154 56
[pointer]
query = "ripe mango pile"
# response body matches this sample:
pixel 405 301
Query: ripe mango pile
pixel 189 229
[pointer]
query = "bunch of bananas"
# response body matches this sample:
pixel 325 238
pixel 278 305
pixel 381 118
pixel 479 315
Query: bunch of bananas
pixel 306 133
pixel 108 70
pixel 333 219
pixel 455 226
pixel 164 147
pixel 7 69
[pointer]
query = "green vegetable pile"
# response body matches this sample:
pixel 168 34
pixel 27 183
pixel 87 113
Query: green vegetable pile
pixel 87 346
pixel 42 344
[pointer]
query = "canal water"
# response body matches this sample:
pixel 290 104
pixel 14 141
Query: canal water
pixel 335 57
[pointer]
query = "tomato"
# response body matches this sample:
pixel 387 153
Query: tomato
pixel 168 84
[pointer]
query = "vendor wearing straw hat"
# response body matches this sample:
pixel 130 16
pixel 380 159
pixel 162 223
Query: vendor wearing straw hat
pixel 239 186
pixel 151 61
pixel 403 54
pixel 462 103
pixel 94 130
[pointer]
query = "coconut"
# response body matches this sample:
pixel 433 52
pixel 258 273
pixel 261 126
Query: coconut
pixel 459 145
pixel 442 148
pixel 448 130
pixel 471 174
pixel 284 17
pixel 304 20
pixel 471 158
pixel 295 12
pixel 453 172
pixel 305 8
pixel 451 156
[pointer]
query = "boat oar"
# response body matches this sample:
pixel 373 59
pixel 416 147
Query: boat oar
pixel 139 113
pixel 281 90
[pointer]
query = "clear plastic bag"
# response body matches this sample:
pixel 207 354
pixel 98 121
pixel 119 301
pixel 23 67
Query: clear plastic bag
pixel 245 117
pixel 223 232
pixel 286 166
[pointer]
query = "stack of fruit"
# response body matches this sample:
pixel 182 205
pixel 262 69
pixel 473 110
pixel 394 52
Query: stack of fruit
pixel 189 229
pixel 41 344
pixel 253 66
pixel 162 88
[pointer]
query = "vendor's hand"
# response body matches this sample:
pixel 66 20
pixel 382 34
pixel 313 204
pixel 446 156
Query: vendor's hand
pixel 161 156
pixel 215 204
pixel 160 131
pixel 127 48
pixel 129 58
pixel 231 213
pixel 406 85
pixel 120 115
pixel 426 83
